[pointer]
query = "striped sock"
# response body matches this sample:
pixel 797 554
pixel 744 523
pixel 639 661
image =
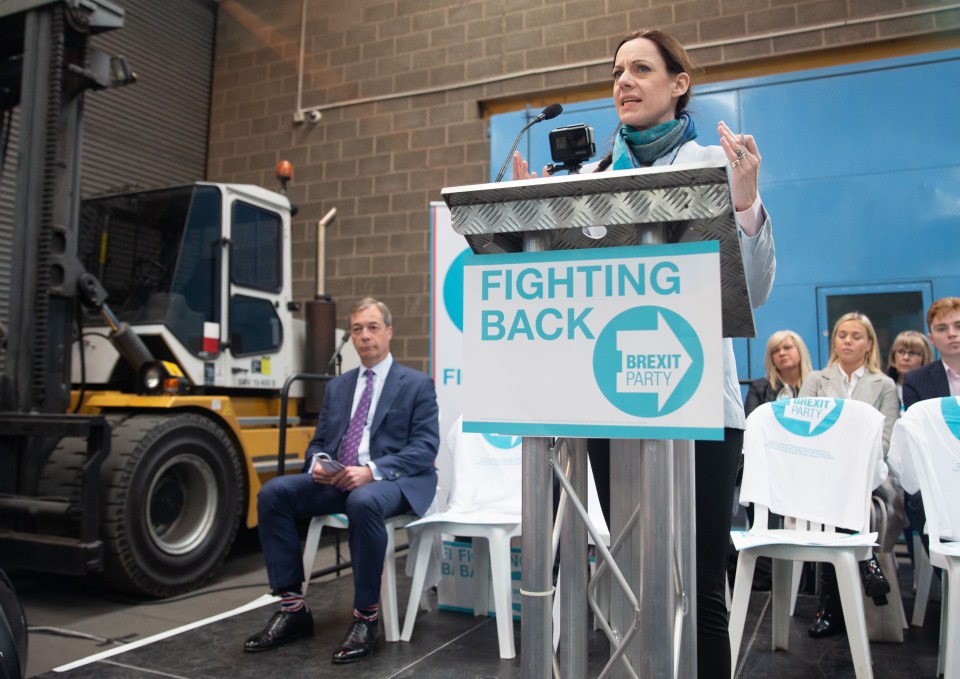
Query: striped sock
pixel 291 602
pixel 371 614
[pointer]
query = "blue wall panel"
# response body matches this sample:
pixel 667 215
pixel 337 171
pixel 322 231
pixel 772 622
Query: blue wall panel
pixel 860 173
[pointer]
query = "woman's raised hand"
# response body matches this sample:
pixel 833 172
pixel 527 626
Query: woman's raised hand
pixel 521 169
pixel 741 150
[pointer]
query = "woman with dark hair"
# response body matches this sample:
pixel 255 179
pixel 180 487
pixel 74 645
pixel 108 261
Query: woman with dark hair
pixel 651 91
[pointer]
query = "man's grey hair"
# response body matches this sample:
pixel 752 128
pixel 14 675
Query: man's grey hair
pixel 370 301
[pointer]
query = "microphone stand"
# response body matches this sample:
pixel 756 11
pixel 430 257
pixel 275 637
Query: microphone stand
pixel 337 358
pixel 516 142
pixel 551 111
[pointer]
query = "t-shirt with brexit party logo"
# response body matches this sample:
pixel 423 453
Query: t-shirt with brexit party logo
pixel 933 425
pixel 814 458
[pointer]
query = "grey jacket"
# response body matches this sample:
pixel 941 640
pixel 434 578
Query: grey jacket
pixel 759 266
pixel 874 388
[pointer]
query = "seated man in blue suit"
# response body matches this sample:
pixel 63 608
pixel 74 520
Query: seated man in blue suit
pixel 372 457
pixel 937 379
pixel 940 378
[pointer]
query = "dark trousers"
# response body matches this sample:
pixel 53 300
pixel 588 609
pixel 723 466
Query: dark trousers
pixel 285 499
pixel 715 466
pixel 917 518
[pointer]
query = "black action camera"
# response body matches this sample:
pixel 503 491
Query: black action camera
pixel 570 146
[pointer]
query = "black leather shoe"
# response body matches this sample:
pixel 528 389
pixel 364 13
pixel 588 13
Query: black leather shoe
pixel 361 640
pixel 827 624
pixel 875 584
pixel 282 628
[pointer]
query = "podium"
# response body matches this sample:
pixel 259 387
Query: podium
pixel 651 623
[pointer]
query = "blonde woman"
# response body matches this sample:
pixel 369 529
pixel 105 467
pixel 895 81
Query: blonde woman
pixel 910 349
pixel 853 371
pixel 787 362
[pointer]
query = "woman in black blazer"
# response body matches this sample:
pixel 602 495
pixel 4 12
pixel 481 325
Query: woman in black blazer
pixel 787 363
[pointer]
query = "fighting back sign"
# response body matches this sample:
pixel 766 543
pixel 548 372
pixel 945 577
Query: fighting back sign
pixel 618 342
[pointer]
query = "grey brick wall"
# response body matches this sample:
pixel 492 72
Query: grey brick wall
pixel 381 162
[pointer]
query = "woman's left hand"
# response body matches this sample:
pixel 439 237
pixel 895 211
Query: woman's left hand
pixel 741 150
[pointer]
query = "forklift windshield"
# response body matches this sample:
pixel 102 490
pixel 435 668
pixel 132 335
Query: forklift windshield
pixel 158 254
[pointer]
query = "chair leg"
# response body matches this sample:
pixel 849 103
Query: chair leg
pixel 923 575
pixel 502 593
pixel 795 585
pixel 851 598
pixel 420 566
pixel 746 564
pixel 783 592
pixel 480 560
pixel 310 550
pixel 948 660
pixel 388 590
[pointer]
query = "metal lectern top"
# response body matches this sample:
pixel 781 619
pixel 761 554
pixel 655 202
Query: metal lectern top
pixel 692 201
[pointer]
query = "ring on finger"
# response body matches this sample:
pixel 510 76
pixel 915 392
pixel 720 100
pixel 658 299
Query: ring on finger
pixel 735 163
pixel 741 153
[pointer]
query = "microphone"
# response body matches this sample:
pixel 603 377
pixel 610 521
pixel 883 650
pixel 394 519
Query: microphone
pixel 336 354
pixel 551 111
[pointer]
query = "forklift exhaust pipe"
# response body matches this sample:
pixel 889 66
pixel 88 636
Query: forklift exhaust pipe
pixel 321 320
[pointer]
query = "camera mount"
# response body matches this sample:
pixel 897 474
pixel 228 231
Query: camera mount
pixel 570 147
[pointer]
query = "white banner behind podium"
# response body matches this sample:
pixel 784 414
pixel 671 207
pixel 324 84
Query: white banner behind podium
pixel 620 342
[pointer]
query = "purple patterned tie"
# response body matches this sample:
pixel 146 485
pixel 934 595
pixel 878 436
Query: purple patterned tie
pixel 351 440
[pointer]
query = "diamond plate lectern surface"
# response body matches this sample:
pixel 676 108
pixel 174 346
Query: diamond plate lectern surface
pixel 691 201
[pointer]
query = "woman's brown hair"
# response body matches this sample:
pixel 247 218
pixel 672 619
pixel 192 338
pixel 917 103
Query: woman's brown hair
pixel 675 56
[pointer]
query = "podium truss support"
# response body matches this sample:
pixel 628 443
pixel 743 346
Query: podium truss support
pixel 572 585
pixel 652 623
pixel 536 576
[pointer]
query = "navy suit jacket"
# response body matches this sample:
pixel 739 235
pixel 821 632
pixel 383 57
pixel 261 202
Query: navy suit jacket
pixel 404 433
pixel 924 383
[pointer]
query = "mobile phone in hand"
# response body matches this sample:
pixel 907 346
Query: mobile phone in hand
pixel 328 465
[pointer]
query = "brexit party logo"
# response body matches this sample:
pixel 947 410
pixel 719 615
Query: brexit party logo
pixel 648 361
pixel 503 441
pixel 950 408
pixel 453 290
pixel 807 417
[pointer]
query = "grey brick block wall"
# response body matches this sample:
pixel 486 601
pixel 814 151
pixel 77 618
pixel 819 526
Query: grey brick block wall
pixel 380 163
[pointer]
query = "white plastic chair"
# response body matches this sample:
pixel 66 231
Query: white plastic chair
pixel 925 450
pixel 484 504
pixel 813 461
pixel 923 581
pixel 388 581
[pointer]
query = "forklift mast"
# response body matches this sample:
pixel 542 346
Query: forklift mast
pixel 46 66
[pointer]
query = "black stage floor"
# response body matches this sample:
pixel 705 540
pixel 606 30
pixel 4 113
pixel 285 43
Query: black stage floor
pixel 451 644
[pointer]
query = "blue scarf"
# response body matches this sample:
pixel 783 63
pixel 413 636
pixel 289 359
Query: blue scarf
pixel 635 148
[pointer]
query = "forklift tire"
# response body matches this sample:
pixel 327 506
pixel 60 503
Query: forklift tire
pixel 13 632
pixel 172 497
